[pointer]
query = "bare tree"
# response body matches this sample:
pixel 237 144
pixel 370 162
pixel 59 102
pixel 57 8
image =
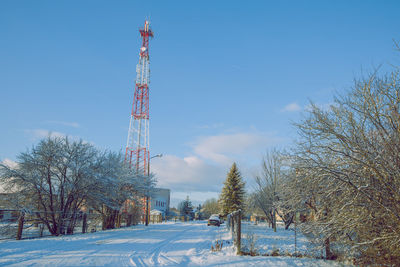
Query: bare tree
pixel 210 206
pixel 49 179
pixel 269 195
pixel 58 177
pixel 347 171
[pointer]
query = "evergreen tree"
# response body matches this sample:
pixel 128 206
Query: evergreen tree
pixel 233 193
pixel 186 207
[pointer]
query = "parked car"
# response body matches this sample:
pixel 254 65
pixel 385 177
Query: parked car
pixel 214 220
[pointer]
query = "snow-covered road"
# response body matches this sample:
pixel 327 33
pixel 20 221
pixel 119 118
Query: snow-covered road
pixel 166 244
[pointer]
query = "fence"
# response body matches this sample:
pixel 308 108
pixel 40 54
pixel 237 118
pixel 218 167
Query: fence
pixel 260 239
pixel 27 224
pixel 178 218
pixel 234 225
pixel 156 218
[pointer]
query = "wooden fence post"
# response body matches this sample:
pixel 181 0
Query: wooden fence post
pixel 295 235
pixel 235 227
pixel 239 232
pixel 20 225
pixel 232 226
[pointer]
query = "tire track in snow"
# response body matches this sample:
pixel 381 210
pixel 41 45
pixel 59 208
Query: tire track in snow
pixel 155 257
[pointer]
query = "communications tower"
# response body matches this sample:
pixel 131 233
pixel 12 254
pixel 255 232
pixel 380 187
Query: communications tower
pixel 137 152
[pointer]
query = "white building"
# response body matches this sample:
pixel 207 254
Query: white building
pixel 160 200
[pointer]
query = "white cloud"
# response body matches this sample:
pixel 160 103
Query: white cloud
pixel 10 163
pixel 226 148
pixel 65 123
pixel 292 107
pixel 201 175
pixel 187 174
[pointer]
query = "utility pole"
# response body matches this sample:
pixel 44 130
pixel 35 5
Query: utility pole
pixel 147 194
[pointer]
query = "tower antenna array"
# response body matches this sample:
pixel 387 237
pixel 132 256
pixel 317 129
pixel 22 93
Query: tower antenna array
pixel 137 153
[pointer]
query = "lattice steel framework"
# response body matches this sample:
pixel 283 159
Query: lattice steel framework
pixel 137 152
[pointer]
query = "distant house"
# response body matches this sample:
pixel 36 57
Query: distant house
pixel 160 201
pixel 7 210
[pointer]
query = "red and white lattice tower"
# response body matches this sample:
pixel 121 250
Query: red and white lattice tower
pixel 137 147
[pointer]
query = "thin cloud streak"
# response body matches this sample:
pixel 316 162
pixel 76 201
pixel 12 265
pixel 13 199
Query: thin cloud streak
pixel 42 133
pixel 65 123
pixel 37 134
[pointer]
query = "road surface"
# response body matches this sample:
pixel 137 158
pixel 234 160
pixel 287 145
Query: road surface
pixel 165 244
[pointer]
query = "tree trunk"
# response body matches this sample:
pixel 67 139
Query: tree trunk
pixel 20 225
pixel 328 253
pixel 118 223
pixel 289 221
pixel 103 222
pixel 84 223
pixel 129 220
pixel 59 226
pixel 274 220
pixel 109 218
pixel 71 226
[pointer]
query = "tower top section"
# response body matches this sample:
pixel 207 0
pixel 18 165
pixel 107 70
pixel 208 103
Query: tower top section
pixel 145 33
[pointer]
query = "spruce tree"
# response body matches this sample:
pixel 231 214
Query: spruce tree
pixel 233 193
pixel 186 207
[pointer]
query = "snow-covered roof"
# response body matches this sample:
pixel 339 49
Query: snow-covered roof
pixel 11 164
pixel 155 212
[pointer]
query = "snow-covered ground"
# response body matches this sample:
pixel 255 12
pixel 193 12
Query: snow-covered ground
pixel 166 244
pixel 283 241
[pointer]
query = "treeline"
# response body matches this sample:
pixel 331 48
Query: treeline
pixel 59 178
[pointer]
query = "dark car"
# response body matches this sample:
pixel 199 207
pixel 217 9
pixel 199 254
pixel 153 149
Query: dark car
pixel 214 220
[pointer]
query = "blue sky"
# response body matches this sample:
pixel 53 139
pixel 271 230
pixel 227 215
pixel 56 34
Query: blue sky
pixel 227 77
